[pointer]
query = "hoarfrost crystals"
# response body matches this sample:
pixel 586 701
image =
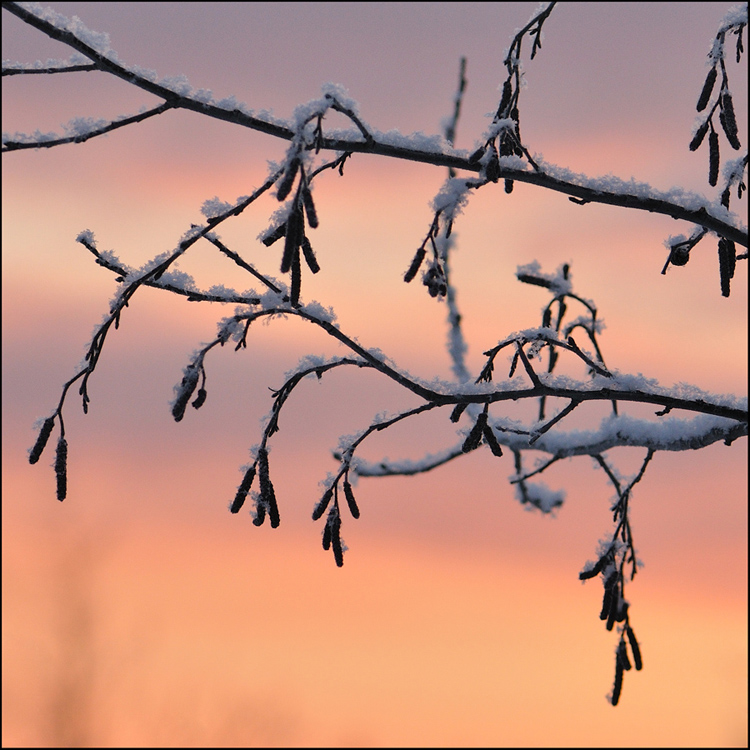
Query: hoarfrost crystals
pixel 540 496
pixel 317 311
pixel 97 40
pixel 452 197
pixel 214 207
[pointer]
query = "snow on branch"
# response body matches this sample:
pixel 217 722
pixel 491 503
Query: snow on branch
pixel 488 161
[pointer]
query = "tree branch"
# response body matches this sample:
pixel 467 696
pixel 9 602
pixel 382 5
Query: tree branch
pixel 446 157
pixel 10 145
pixel 84 68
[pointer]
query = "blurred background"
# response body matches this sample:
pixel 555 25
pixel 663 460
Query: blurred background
pixel 140 612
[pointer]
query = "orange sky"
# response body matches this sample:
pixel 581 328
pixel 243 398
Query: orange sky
pixel 458 618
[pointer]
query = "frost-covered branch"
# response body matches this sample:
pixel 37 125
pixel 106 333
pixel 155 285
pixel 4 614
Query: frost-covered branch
pixel 610 565
pixel 687 417
pixel 500 164
pixel 605 385
pixel 82 129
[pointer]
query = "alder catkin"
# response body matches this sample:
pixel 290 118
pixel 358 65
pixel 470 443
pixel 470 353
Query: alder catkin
pixel 296 285
pixel 600 563
pixel 728 119
pixel 606 604
pixel 320 508
pixel 713 158
pixel 61 469
pixel 338 550
pixel 312 214
pixel 41 441
pixel 187 386
pixel 527 278
pixel 708 87
pixel 731 253
pixel 614 607
pixel 491 440
pixel 350 501
pixel 622 655
pixel 727 262
pixel 617 688
pixel 200 399
pixel 474 438
pixel 267 494
pixel 273 507
pixel 294 235
pixel 700 134
pixel 242 490
pixel 274 235
pixel 492 168
pixel 310 258
pixel 476 156
pixel 505 100
pixel 458 410
pixel 634 647
pixel 263 469
pixel 415 264
pixel 286 182
pixel 260 512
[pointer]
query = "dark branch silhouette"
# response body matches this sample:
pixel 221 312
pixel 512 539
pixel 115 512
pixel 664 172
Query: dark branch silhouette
pixel 687 418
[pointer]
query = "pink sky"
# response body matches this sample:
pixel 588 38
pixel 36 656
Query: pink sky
pixel 458 617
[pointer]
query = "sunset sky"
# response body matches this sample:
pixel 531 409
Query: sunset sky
pixel 139 611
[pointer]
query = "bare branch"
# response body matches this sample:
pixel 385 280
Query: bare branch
pixel 85 68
